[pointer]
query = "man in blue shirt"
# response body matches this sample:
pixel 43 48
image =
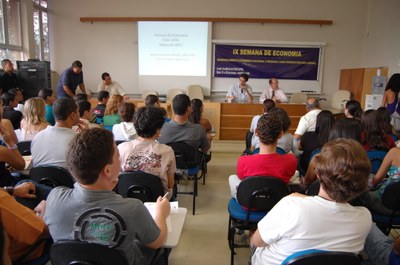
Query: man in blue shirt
pixel 69 80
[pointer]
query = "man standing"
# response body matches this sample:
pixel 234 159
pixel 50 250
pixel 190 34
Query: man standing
pixel 274 92
pixel 180 129
pixel 308 121
pixel 240 92
pixel 113 87
pixel 8 78
pixel 69 80
pixel 92 212
pixel 49 146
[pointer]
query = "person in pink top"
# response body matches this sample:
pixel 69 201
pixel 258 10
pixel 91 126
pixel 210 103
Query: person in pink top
pixel 268 162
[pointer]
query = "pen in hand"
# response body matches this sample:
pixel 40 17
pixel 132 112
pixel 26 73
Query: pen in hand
pixel 165 195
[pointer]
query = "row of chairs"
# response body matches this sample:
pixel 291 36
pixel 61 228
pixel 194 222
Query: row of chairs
pixel 193 91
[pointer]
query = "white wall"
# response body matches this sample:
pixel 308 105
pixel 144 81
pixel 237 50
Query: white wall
pixel 111 46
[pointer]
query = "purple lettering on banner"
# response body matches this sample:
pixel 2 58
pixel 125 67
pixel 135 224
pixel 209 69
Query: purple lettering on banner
pixel 265 62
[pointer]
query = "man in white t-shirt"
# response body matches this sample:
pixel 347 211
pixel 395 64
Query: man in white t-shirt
pixel 113 87
pixel 274 92
pixel 327 221
pixel 308 121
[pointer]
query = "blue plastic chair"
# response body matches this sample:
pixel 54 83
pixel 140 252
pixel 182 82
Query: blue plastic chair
pixel 255 197
pixel 391 200
pixel 316 256
pixel 376 157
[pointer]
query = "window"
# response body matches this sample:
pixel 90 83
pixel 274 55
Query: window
pixel 41 30
pixel 10 30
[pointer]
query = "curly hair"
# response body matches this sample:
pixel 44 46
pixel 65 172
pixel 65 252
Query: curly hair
pixel 284 117
pixel 269 126
pixel 343 168
pixel 89 152
pixel 112 104
pixel 148 120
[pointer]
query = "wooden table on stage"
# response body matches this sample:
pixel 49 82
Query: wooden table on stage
pixel 231 121
pixel 236 118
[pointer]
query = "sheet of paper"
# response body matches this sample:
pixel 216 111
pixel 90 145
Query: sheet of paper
pixel 152 209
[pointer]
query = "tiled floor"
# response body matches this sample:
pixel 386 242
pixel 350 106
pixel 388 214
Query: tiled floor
pixel 204 237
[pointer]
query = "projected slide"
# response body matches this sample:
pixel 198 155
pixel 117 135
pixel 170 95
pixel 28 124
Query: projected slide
pixel 173 48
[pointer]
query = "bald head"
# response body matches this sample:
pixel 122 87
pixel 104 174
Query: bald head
pixel 312 103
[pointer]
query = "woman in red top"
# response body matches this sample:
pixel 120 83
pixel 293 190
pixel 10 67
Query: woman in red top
pixel 373 136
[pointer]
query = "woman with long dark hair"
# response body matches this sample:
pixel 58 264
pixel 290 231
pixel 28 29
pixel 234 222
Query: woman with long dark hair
pixel 315 140
pixel 195 117
pixel 373 135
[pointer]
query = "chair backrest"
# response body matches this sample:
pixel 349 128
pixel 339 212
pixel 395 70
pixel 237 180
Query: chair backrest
pixel 376 157
pixel 340 98
pixel 24 147
pixel 149 92
pixel 140 185
pixel 280 150
pixel 52 176
pixel 260 193
pixel 315 256
pixel 314 188
pixel 79 252
pixel 173 92
pixel 249 136
pixel 195 91
pixel 185 155
pixel 298 98
pixel 391 197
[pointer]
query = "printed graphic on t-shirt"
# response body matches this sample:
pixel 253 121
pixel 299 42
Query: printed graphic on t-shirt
pixel 148 162
pixel 100 226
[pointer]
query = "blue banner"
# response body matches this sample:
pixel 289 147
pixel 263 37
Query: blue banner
pixel 266 62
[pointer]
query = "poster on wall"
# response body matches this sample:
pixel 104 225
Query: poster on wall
pixel 293 63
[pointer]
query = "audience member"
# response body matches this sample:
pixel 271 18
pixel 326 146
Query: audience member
pixel 353 109
pixel 8 78
pixel 69 80
pixel 145 153
pixel 274 92
pixel 49 147
pixel 9 113
pixel 311 141
pixel 7 125
pixel 180 129
pixel 112 87
pixel 92 212
pixel 388 173
pixel 99 110
pixel 9 155
pixel 286 141
pixel 111 115
pixel 390 97
pixel 80 96
pixel 268 162
pixel 327 221
pixel 347 128
pixel 125 130
pixel 49 98
pixel 308 121
pixel 152 101
pixel 240 92
pixel 373 135
pixel 23 227
pixel 19 97
pixel 268 104
pixel 385 118
pixel 381 249
pixel 34 120
pixel 196 115
pixel 86 115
